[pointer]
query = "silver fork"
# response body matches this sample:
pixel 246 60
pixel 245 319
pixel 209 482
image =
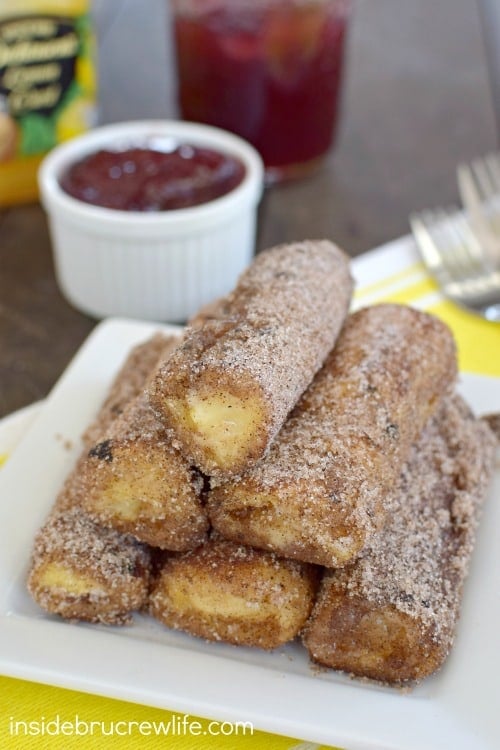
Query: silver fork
pixel 456 258
pixel 479 187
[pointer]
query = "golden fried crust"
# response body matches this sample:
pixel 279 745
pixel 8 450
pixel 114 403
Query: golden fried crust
pixel 226 592
pixel 320 492
pixel 391 615
pixel 85 572
pixel 79 569
pixel 373 641
pixel 135 482
pixel 132 480
pixel 226 392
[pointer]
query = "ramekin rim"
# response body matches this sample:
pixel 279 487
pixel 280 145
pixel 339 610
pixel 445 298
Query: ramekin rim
pixel 55 199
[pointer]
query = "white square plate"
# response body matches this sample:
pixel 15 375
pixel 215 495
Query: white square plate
pixel 278 692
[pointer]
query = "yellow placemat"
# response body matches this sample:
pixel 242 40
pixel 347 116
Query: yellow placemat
pixel 36 717
pixel 478 340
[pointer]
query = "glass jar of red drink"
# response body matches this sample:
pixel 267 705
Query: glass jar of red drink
pixel 268 70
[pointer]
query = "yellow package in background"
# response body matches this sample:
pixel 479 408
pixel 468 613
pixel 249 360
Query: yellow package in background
pixel 47 86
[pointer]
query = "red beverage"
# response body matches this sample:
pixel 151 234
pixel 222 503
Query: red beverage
pixel 268 70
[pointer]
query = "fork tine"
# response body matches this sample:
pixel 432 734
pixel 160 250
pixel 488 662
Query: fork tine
pixel 480 196
pixel 475 249
pixel 481 173
pixel 454 247
pixel 447 244
pixel 469 251
pixel 480 180
pixel 468 188
pixel 420 224
pixel 458 257
pixel 455 257
pixel 493 162
pixel 436 241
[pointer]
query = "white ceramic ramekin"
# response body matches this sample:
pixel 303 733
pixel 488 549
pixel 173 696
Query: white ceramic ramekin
pixel 152 265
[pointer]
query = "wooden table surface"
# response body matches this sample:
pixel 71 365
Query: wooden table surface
pixel 416 103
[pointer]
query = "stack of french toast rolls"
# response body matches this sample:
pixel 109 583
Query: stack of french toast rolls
pixel 285 469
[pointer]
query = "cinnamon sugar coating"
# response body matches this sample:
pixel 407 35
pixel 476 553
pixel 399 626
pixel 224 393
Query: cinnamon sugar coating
pixel 83 571
pixel 79 569
pixel 225 393
pixel 321 491
pixel 216 310
pixel 132 479
pixel 227 592
pixel 493 421
pixel 391 615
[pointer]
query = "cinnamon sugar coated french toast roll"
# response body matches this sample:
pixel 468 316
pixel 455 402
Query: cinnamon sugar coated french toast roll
pixel 134 481
pixel 320 493
pixel 227 592
pixel 391 616
pixel 225 393
pixel 79 569
pixel 82 571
